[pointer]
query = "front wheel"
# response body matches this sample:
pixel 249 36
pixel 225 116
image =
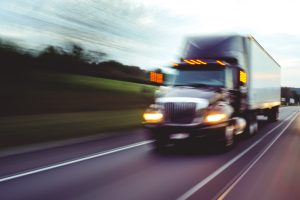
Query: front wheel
pixel 229 138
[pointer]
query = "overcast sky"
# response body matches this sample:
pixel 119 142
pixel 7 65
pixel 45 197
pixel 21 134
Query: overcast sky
pixel 149 33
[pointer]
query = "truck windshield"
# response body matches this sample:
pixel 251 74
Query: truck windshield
pixel 200 77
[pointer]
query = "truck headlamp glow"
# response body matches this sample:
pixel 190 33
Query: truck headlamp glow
pixel 216 117
pixel 153 117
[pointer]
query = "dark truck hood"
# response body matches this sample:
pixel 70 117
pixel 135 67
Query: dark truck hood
pixel 211 95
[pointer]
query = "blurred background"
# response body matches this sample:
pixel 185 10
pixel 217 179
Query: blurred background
pixel 76 68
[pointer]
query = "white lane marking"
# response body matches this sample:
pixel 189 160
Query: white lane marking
pixel 202 183
pixel 255 161
pixel 19 175
pixel 62 164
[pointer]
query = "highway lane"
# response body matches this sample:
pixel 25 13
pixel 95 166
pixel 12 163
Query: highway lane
pixel 274 175
pixel 48 156
pixel 139 173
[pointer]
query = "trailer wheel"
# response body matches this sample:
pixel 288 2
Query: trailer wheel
pixel 252 125
pixel 273 114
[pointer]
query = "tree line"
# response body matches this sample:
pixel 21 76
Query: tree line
pixel 73 59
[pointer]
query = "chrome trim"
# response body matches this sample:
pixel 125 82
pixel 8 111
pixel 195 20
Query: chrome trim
pixel 201 103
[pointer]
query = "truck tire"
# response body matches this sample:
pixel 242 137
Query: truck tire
pixel 252 125
pixel 229 138
pixel 273 114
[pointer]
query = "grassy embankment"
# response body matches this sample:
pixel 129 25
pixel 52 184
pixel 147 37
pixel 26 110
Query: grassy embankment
pixel 39 106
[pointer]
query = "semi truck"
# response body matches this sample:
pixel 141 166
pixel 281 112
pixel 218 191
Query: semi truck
pixel 220 85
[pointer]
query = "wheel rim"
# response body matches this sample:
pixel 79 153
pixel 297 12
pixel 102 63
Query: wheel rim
pixel 229 134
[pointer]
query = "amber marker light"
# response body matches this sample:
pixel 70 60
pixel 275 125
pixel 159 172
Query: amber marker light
pixel 175 65
pixel 156 77
pixel 189 62
pixel 202 62
pixel 196 62
pixel 243 77
pixel 159 78
pixel 220 62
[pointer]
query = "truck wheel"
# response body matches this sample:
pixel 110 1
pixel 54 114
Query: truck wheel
pixel 273 114
pixel 229 138
pixel 252 125
pixel 229 135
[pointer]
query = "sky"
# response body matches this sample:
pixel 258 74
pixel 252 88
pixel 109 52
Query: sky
pixel 150 33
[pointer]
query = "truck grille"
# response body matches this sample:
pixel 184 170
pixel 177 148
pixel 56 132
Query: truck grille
pixel 180 113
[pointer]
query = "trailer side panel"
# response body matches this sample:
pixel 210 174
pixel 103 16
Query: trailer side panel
pixel 263 77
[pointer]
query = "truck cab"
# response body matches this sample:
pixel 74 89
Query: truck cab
pixel 202 100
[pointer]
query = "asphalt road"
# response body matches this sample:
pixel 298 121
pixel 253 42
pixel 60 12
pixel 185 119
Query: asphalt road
pixel 266 166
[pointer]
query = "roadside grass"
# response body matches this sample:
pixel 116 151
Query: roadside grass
pixel 39 92
pixel 39 106
pixel 29 129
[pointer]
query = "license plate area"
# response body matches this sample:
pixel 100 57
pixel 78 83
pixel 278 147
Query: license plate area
pixel 179 136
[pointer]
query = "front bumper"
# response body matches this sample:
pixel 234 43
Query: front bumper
pixel 187 133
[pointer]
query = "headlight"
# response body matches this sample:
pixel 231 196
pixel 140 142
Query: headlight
pixel 153 117
pixel 216 117
pixel 153 114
